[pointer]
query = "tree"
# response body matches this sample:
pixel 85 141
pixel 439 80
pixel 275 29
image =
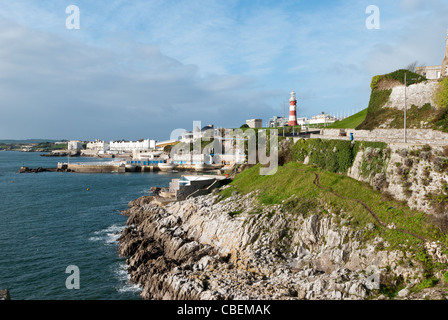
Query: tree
pixel 412 67
pixel 244 126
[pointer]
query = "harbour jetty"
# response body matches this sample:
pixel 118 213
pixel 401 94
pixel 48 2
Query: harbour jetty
pixel 92 167
pixel 121 167
pixel 24 169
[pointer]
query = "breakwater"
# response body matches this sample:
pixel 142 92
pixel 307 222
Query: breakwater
pixel 115 167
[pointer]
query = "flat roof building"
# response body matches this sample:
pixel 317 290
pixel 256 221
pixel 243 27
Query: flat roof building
pixel 254 123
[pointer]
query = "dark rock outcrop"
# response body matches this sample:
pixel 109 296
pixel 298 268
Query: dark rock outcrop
pixel 4 295
pixel 203 248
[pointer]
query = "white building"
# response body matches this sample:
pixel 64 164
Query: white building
pixel 149 155
pixel 187 137
pixel 206 132
pixel 302 121
pixel 254 123
pixel 435 72
pixel 278 122
pixel 321 119
pixel 74 145
pixel 98 145
pixel 431 73
pixel 128 146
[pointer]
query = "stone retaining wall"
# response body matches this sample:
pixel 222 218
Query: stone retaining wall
pixel 416 136
pixel 417 94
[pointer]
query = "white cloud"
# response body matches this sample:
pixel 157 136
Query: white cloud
pixel 410 5
pixel 144 67
pixel 57 87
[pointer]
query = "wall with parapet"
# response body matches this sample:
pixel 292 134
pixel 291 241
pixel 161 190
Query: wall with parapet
pixel 415 136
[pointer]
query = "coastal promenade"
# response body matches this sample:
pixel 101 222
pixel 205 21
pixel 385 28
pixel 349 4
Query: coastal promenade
pixel 413 136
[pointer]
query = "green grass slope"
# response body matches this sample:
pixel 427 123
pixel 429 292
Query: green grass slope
pixel 351 122
pixel 294 188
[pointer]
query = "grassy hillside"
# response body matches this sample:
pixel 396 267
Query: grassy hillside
pixel 297 179
pixel 350 122
pixel 294 187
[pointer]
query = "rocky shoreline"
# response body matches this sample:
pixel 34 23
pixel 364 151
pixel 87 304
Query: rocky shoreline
pixel 206 248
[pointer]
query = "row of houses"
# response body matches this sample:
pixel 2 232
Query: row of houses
pixel 101 146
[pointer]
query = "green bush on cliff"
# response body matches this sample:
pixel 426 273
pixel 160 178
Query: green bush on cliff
pixel 332 155
pixel 442 94
pixel 398 75
pixel 441 98
pixel 411 77
pixel 375 81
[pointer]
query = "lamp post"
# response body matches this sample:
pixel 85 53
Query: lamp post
pixel 283 120
pixel 405 85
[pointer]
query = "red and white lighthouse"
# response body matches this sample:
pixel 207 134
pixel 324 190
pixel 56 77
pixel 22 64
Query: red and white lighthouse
pixel 292 110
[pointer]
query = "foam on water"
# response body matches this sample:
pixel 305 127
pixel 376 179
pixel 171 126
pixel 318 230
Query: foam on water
pixel 123 276
pixel 109 235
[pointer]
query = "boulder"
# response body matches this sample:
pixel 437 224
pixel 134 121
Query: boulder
pixel 4 295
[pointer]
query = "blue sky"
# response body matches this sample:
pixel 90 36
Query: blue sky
pixel 140 69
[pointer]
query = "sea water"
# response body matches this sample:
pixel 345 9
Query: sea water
pixel 52 220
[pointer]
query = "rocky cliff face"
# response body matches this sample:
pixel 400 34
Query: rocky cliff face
pixel 412 173
pixel 204 248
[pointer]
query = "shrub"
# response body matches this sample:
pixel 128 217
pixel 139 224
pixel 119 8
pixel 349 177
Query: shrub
pixel 379 181
pixel 427 283
pixel 441 96
pixel 445 276
pixel 374 82
pixel 440 163
pixel 411 77
pixel 332 155
pixel 408 162
pixel 426 147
